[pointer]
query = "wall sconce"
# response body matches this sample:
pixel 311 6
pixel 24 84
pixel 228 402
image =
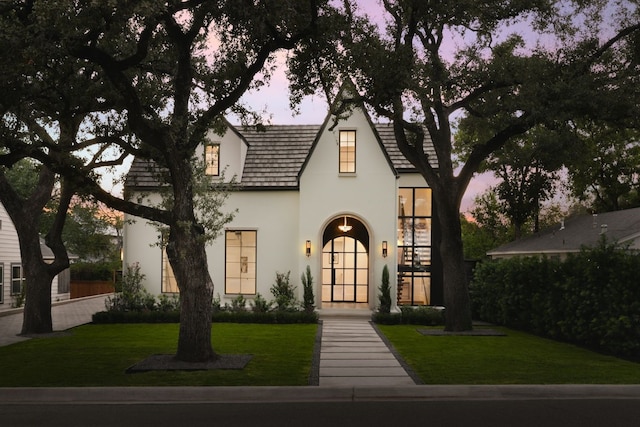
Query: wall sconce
pixel 384 248
pixel 307 248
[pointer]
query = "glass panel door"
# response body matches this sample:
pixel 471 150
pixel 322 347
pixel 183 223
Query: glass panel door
pixel 345 271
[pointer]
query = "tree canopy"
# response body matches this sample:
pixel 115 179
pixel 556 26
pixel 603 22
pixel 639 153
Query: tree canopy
pixel 173 70
pixel 429 63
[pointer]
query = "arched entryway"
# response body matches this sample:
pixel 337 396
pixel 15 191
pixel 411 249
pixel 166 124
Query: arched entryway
pixel 345 261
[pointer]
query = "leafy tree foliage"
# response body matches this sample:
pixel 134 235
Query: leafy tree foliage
pixel 527 170
pixel 404 70
pixel 174 69
pixel 605 173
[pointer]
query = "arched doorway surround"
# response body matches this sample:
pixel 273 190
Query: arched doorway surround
pixel 345 261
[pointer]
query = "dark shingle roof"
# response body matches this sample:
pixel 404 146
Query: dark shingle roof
pixel 578 232
pixel 400 163
pixel 275 157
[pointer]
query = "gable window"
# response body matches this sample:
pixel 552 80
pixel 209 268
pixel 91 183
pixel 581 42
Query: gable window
pixel 17 279
pixel 347 151
pixel 212 159
pixel 169 283
pixel 414 246
pixel 240 262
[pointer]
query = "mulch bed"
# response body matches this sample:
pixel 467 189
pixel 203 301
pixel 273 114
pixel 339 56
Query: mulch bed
pixel 481 332
pixel 168 362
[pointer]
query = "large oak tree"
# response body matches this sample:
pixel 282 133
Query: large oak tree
pixel 176 68
pixel 44 103
pixel 430 62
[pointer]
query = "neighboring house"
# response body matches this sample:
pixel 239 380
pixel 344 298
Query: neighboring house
pixel 343 201
pixel 572 235
pixel 12 270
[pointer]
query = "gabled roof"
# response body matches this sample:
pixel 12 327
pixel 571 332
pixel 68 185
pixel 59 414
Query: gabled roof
pixel 276 154
pixel 581 231
pixel 275 157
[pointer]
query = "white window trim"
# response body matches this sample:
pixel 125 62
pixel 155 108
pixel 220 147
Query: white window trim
pixel 19 265
pixel 1 283
pixel 355 152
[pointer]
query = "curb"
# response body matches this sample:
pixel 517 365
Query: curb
pixel 141 395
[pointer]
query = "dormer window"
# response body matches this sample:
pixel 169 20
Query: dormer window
pixel 212 159
pixel 347 156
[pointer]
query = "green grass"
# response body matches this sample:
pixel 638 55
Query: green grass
pixel 98 355
pixel 517 358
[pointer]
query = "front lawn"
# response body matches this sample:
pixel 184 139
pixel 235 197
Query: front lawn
pixel 98 355
pixel 517 358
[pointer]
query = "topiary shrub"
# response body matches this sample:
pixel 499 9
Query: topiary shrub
pixel 384 297
pixel 308 302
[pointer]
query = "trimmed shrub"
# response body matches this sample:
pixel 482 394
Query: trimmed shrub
pixel 385 292
pixel 284 292
pixel 275 317
pixel 411 315
pixel 591 299
pixel 259 304
pixel 308 302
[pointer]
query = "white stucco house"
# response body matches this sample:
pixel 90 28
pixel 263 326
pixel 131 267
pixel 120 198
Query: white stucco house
pixel 12 270
pixel 342 200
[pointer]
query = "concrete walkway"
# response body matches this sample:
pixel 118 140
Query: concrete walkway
pixel 64 315
pixel 353 354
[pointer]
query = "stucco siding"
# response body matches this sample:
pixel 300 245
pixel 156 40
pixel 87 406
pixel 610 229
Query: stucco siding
pixel 369 195
pixel 272 214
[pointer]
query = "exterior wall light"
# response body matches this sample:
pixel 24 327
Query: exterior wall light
pixel 385 251
pixel 307 248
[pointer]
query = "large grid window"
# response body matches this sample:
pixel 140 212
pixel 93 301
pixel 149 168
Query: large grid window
pixel 212 159
pixel 414 246
pixel 169 283
pixel 240 259
pixel 17 279
pixel 347 151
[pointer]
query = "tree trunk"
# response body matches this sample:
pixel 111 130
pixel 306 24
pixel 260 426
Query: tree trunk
pixel 38 279
pixel 189 262
pixel 456 291
pixel 188 258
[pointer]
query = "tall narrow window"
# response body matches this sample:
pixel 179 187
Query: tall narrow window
pixel 169 283
pixel 240 256
pixel 414 246
pixel 347 151
pixel 17 279
pixel 212 159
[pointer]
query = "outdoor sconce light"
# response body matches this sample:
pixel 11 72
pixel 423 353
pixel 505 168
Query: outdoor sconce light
pixel 307 248
pixel 384 248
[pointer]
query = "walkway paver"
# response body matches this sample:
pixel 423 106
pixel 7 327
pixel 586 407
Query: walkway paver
pixel 352 354
pixel 64 315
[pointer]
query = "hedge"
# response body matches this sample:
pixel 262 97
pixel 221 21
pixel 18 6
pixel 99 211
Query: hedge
pixel 280 317
pixel 410 315
pixel 591 299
